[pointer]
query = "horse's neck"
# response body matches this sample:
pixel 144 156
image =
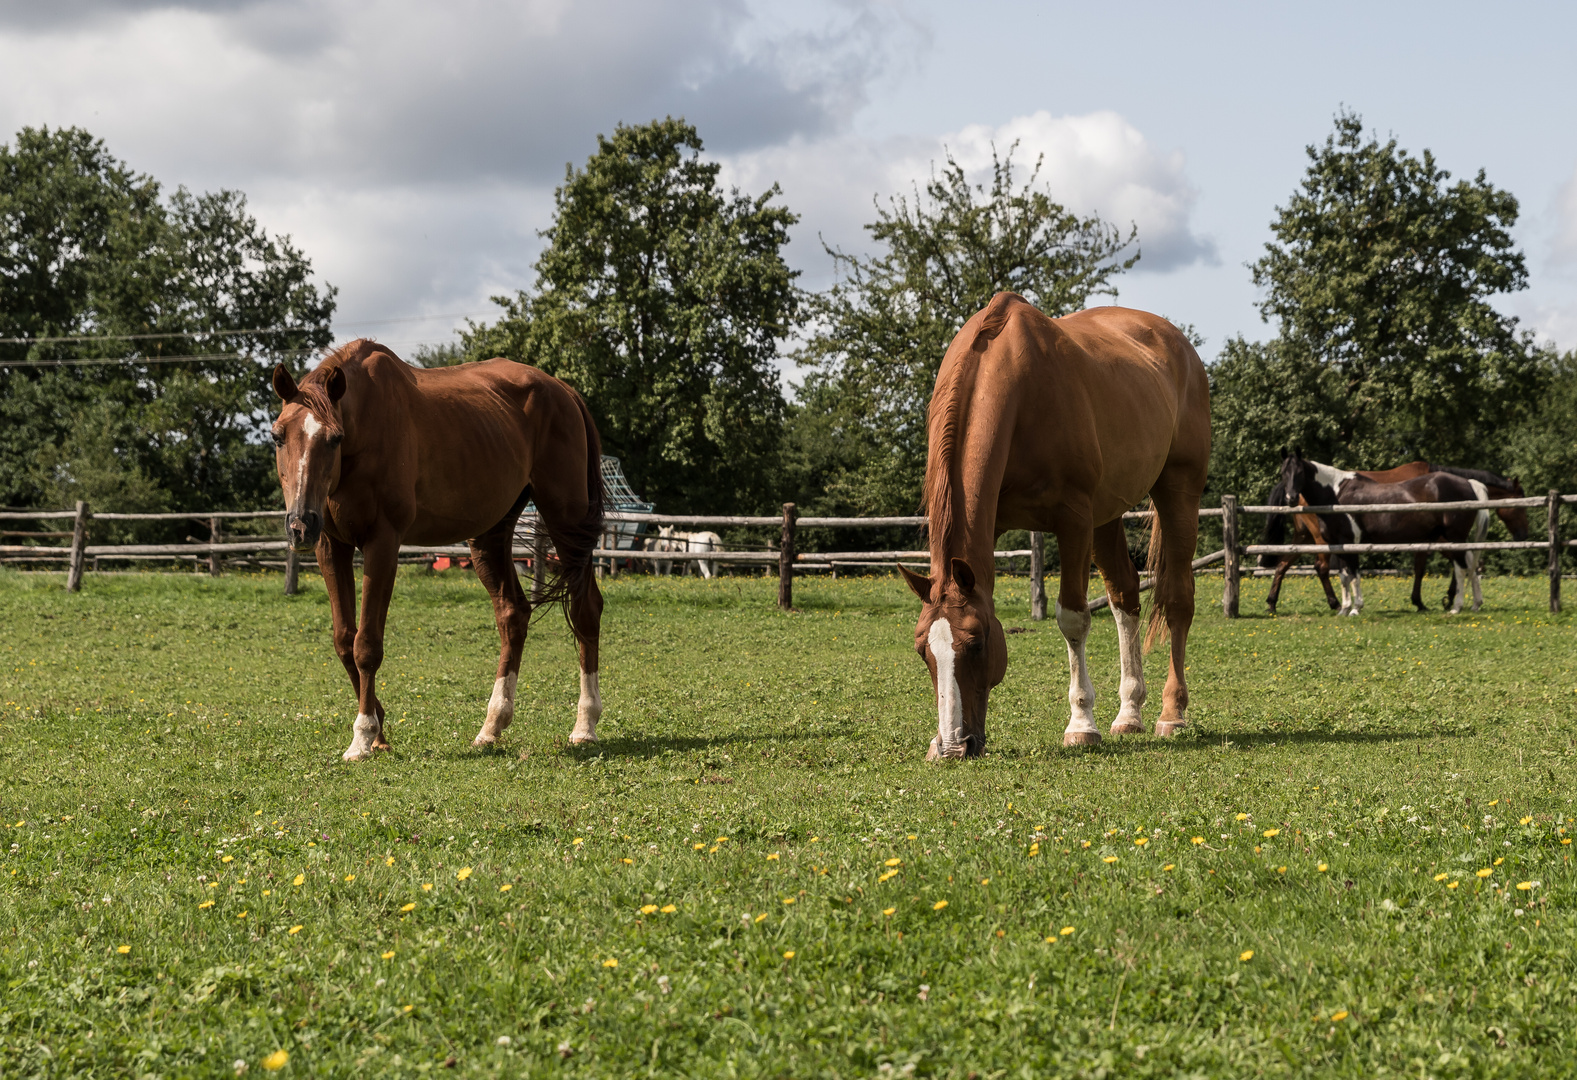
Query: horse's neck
pixel 977 470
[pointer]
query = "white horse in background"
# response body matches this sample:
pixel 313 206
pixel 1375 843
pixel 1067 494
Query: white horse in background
pixel 668 540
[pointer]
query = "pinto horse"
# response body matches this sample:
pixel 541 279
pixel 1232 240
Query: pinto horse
pixel 373 453
pixel 1315 483
pixel 1059 425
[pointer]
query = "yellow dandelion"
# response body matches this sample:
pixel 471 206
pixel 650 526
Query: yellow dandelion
pixel 1168 867
pixel 1321 868
pixel 1268 833
pixel 463 873
pixel 205 904
pixel 242 915
pixel 1440 877
pixel 1494 802
pixel 505 888
pixel 628 862
pixel 789 955
pixel 788 899
pixel 268 892
pixel 1339 1016
pixel 407 1008
pixel 350 877
pixel 817 839
pixel 228 858
pixel 123 949
pixel 1452 884
pixel 772 857
pixel 1109 859
pixel 409 907
pixel 1499 861
pixel 295 929
pixel 1483 873
pixel 389 955
pixel 276 1061
pixel 1245 956
pixel 762 916
pixel 985 881
pixel 1281 869
pixel 389 861
pixel 698 847
pixel 213 884
pixel 1065 931
pixel 721 840
pixel 299 879
pixel 1198 839
pixel 1242 817
pixel 1142 841
pixel 1526 820
pixel 427 886
pixel 1567 840
pixel 1524 886
pixel 668 909
pixel 912 836
pixel 648 909
pixel 579 840
pixel 939 905
pixel 1085 844
pixel 611 962
pixel 893 862
pixel 888 911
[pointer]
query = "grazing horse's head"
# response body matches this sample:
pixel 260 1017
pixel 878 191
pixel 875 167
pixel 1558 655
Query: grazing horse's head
pixel 961 641
pixel 1515 518
pixel 307 439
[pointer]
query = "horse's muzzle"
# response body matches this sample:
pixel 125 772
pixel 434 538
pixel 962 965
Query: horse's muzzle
pixel 304 530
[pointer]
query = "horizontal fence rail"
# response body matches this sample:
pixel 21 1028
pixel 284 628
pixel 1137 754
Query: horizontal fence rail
pixel 785 553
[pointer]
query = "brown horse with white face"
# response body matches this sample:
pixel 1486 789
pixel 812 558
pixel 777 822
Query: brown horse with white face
pixel 373 453
pixel 1060 425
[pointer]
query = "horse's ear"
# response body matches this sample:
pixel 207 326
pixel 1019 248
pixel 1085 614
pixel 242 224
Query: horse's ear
pixel 964 575
pixel 918 584
pixel 284 385
pixel 336 386
pixel 1297 452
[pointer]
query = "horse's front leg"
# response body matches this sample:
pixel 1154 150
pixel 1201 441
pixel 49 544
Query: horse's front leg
pixel 1420 564
pixel 380 560
pixel 1322 567
pixel 1073 619
pixel 1459 572
pixel 336 562
pixel 1275 584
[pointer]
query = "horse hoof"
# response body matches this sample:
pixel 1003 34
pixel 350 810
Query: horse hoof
pixel 355 755
pixel 1081 738
pixel 580 739
pixel 1167 728
pixel 484 740
pixel 1128 727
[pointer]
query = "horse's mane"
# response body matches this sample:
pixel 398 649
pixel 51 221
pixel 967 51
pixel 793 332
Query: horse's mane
pixel 952 385
pixel 1483 476
pixel 313 388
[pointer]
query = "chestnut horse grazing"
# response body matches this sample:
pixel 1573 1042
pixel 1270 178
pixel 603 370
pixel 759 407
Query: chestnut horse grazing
pixel 373 453
pixel 1060 425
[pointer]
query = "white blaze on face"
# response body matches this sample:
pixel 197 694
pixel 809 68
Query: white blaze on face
pixel 588 711
pixel 949 702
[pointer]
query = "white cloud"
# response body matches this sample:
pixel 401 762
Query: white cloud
pixel 1098 163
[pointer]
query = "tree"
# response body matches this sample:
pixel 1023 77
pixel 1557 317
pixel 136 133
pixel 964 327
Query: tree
pixel 880 331
pixel 1381 274
pixel 663 299
pixel 138 332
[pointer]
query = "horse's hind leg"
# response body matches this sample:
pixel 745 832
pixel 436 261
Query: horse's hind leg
pixel 1275 584
pixel 1420 564
pixel 1177 516
pixel 1122 588
pixel 1073 619
pixel 493 556
pixel 585 617
pixel 1459 581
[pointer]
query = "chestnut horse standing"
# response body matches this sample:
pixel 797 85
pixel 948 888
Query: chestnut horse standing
pixel 1060 425
pixel 373 453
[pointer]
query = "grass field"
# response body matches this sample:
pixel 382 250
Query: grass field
pixel 1356 863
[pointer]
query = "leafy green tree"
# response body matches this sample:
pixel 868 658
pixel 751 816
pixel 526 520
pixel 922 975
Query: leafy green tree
pixel 1382 275
pixel 138 332
pixel 859 438
pixel 663 300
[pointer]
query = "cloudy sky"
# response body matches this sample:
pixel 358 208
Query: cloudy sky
pixel 412 149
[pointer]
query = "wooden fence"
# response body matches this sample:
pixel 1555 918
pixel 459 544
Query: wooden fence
pixel 786 555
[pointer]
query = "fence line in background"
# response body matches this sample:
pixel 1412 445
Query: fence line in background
pixel 787 556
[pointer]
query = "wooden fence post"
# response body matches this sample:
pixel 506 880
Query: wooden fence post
pixel 1037 576
pixel 786 559
pixel 213 556
pixel 292 571
pixel 539 551
pixel 1553 508
pixel 79 545
pixel 1229 541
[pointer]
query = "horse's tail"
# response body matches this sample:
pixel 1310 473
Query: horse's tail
pixel 576 540
pixel 1275 526
pixel 1161 572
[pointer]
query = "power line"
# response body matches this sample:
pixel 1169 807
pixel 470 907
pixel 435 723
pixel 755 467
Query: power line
pixel 232 333
pixel 140 361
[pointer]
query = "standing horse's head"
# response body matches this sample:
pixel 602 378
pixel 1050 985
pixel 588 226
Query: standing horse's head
pixel 961 641
pixel 1295 475
pixel 307 439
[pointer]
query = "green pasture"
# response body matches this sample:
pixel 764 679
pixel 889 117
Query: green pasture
pixel 1356 863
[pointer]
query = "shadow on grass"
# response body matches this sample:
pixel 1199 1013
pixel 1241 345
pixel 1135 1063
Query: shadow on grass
pixel 1248 741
